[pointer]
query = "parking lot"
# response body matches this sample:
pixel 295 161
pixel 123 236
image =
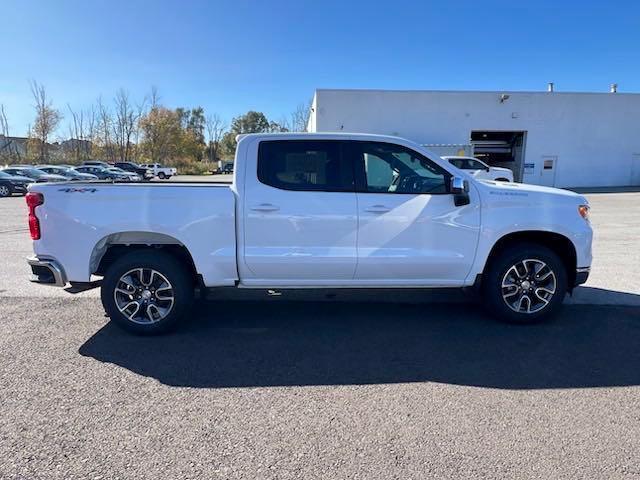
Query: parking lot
pixel 357 385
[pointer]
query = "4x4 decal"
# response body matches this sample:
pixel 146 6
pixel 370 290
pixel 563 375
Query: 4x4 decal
pixel 78 190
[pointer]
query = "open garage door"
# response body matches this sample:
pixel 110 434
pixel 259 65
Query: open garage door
pixel 500 149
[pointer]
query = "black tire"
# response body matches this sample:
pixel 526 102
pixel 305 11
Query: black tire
pixel 501 268
pixel 164 264
pixel 161 176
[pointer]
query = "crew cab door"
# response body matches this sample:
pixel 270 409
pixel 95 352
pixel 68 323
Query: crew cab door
pixel 410 231
pixel 300 215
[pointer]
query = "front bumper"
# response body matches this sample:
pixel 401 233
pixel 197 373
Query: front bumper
pixel 582 274
pixel 47 272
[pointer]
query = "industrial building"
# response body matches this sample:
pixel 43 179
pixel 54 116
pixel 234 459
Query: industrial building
pixel 561 139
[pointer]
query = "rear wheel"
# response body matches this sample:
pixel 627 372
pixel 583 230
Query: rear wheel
pixel 525 283
pixel 162 175
pixel 147 292
pixel 4 191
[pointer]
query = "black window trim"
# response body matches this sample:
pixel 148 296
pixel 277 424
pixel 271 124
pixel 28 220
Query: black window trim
pixel 361 176
pixel 357 168
pixel 342 158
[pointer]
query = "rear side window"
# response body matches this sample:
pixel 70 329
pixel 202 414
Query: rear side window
pixel 304 165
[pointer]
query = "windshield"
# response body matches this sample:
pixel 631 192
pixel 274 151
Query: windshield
pixel 69 172
pixel 467 163
pixel 4 175
pixel 30 172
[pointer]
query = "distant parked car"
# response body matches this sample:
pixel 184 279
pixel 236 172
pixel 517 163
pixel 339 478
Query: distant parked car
pixel 145 173
pixel 10 184
pixel 131 176
pixel 104 173
pixel 228 168
pixel 34 174
pixel 95 163
pixel 67 172
pixel 481 170
pixel 160 171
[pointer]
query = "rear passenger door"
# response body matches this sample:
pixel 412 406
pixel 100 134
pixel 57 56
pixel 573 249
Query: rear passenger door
pixel 300 221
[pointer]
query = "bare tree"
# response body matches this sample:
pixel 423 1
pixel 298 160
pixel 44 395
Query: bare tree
pixel 141 111
pixel 154 97
pixel 91 137
pixel 126 120
pixel 216 129
pixel 8 150
pixel 76 134
pixel 300 117
pixel 4 124
pixel 47 118
pixel 105 122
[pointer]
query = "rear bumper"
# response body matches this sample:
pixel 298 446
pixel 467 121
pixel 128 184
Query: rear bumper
pixel 582 274
pixel 47 272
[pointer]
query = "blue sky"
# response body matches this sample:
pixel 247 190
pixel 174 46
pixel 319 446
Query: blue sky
pixel 233 56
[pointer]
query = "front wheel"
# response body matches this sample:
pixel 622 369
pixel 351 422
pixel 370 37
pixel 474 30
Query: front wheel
pixel 162 175
pixel 147 292
pixel 4 191
pixel 525 283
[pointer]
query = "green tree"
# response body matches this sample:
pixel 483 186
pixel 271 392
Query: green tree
pixel 250 122
pixel 195 128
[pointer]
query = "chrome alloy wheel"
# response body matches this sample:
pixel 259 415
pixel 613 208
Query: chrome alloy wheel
pixel 528 286
pixel 144 295
pixel 4 191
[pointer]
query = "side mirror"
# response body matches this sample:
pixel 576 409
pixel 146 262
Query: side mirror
pixel 459 185
pixel 460 190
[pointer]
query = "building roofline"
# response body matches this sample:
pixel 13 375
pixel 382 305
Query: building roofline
pixel 493 92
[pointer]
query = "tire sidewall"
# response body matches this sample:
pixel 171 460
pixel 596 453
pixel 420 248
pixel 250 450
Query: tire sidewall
pixel 492 284
pixel 163 263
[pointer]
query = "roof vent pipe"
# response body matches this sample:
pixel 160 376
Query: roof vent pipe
pixel 613 88
pixel 550 87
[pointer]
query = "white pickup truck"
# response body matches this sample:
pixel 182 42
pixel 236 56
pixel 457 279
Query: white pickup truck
pixel 312 211
pixel 480 170
pixel 160 171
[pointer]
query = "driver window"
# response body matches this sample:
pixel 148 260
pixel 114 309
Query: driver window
pixel 392 168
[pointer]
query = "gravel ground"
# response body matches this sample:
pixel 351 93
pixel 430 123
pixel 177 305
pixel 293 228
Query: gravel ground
pixel 325 389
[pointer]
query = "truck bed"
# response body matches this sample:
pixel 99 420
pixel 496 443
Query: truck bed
pixel 95 215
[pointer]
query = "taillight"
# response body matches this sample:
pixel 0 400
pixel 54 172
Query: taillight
pixel 33 200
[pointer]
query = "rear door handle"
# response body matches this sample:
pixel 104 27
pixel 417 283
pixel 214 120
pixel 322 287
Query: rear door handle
pixel 377 209
pixel 265 207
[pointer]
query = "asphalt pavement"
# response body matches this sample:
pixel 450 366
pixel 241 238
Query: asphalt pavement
pixel 363 385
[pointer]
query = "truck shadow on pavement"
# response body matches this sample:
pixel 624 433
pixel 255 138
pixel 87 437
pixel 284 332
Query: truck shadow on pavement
pixel 283 343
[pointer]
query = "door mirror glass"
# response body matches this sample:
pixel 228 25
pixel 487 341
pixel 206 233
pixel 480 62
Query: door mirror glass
pixel 458 185
pixel 460 190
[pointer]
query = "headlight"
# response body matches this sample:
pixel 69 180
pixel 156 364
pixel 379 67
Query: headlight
pixel 583 210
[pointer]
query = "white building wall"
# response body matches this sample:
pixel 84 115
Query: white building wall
pixel 593 135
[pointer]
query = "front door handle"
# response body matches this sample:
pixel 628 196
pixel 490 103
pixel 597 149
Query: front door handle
pixel 265 207
pixel 377 209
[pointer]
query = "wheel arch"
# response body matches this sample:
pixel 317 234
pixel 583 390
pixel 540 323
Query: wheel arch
pixel 558 243
pixel 113 246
